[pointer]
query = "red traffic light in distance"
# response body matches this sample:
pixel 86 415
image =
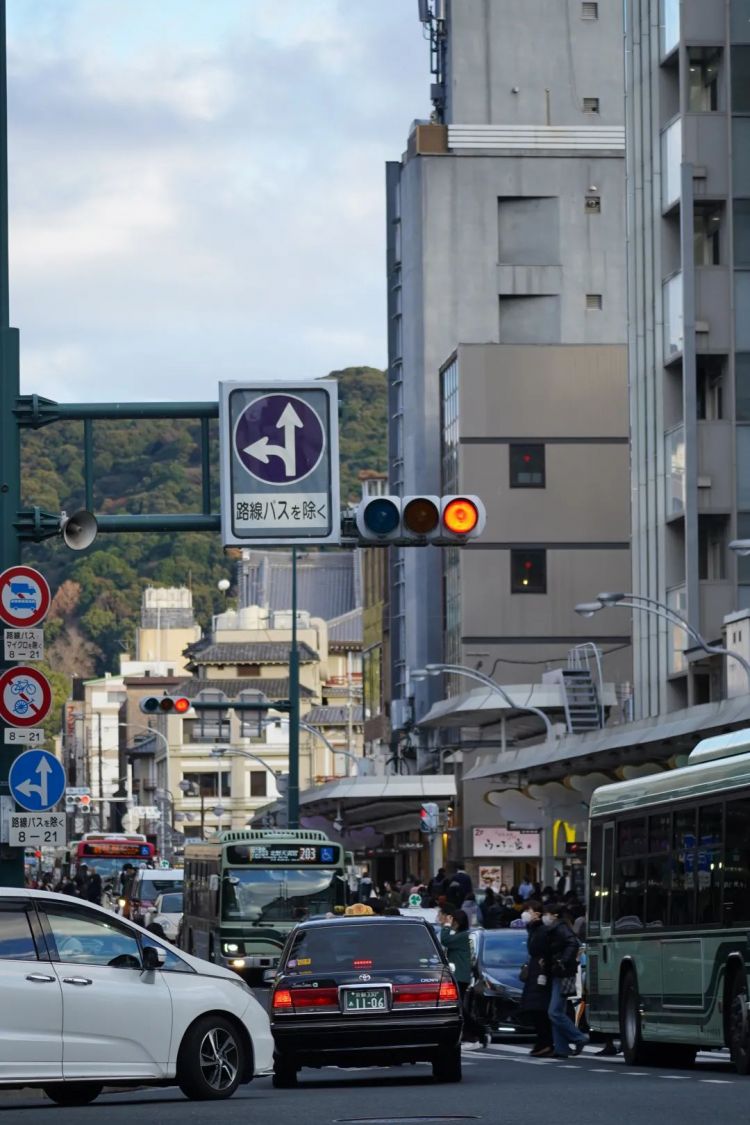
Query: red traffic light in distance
pixel 154 704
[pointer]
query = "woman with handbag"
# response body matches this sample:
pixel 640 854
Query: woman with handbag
pixel 563 953
pixel 537 985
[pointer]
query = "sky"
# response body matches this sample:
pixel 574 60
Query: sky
pixel 196 188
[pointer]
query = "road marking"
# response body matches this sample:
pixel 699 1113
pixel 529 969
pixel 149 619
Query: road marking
pixel 716 1081
pixel 602 1070
pixel 638 1073
pixel 676 1077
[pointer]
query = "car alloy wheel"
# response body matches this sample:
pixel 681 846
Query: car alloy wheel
pixel 219 1058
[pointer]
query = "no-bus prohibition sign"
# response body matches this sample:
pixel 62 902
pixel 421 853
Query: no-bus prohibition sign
pixel 24 596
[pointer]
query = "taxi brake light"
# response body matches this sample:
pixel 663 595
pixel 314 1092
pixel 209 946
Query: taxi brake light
pixel 315 997
pixel 448 993
pixel 282 998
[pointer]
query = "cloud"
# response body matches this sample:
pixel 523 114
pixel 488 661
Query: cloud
pixel 197 190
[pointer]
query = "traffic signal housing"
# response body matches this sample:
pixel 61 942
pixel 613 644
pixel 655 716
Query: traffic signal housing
pixel 164 704
pixel 412 521
pixel 429 817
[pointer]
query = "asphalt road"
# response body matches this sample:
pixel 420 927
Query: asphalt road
pixel 501 1084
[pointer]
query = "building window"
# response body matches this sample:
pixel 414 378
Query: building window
pixel 528 571
pixel 213 784
pixel 675 457
pixel 706 228
pixel 593 302
pixel 589 10
pixel 740 60
pixel 593 205
pixel 211 726
pixel 676 639
pixel 590 105
pixel 258 783
pixel 703 79
pixel 248 669
pixel 710 387
pixel 527 466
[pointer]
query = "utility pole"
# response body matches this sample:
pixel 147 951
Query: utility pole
pixel 11 859
pixel 293 792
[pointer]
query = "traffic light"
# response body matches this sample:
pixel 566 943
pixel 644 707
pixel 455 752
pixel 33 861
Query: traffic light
pixel 429 817
pixel 418 520
pixel 153 704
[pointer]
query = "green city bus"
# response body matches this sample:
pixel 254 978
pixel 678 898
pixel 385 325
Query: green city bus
pixel 667 940
pixel 245 890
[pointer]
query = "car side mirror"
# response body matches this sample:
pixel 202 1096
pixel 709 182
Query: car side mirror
pixel 153 957
pixel 269 975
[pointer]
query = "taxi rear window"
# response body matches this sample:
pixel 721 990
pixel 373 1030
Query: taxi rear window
pixel 341 948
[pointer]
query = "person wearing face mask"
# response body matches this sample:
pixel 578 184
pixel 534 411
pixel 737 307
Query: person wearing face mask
pixel 537 987
pixel 563 964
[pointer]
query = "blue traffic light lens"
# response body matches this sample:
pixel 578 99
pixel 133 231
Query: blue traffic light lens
pixel 381 517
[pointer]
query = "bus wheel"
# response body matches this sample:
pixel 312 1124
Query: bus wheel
pixel 636 1052
pixel 739 1033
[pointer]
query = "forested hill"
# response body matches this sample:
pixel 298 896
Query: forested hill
pixel 153 466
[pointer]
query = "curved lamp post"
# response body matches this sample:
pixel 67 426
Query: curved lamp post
pixel 607 600
pixel 319 734
pixel 473 674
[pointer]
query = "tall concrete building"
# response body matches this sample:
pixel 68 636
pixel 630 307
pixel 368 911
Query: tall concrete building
pixel 688 132
pixel 507 329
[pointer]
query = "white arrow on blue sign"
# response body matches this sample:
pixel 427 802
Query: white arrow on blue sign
pixel 279 463
pixel 36 780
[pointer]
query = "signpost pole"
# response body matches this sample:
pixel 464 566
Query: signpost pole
pixel 293 791
pixel 11 859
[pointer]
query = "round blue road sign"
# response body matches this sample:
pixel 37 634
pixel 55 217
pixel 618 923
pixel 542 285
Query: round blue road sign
pixel 36 780
pixel 279 439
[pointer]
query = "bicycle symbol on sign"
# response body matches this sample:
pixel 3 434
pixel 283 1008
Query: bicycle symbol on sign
pixel 26 691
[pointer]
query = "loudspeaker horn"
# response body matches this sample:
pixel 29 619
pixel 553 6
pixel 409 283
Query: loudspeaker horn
pixel 79 530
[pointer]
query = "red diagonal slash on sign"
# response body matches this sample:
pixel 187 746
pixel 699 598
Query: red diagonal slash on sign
pixel 26 699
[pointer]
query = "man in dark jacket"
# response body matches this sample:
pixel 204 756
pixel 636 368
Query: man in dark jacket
pixel 537 985
pixel 563 954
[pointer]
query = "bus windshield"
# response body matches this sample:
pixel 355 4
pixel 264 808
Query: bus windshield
pixel 278 894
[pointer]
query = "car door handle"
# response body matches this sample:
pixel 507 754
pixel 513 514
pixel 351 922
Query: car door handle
pixel 77 980
pixel 39 978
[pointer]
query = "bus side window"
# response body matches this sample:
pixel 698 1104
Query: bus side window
pixel 606 883
pixel 595 879
pixel 709 863
pixel 737 863
pixel 682 882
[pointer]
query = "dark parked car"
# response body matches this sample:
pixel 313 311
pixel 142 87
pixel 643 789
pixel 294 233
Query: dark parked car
pixel 495 994
pixel 372 991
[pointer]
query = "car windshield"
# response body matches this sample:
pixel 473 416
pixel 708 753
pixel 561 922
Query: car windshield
pixel 504 949
pixel 152 888
pixel 279 894
pixel 341 947
pixel 172 904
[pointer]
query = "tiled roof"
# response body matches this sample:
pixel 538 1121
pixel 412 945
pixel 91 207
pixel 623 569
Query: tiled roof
pixel 333 716
pixel 345 631
pixel 272 688
pixel 254 652
pixel 328 582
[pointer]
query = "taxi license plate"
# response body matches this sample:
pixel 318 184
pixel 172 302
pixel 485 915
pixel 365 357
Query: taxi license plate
pixel 365 1000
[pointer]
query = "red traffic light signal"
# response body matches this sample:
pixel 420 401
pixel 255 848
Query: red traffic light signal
pixel 153 704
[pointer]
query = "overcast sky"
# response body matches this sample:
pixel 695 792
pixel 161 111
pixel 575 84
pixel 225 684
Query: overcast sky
pixel 197 188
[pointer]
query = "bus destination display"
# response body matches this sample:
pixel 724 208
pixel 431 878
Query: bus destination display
pixel 117 848
pixel 286 855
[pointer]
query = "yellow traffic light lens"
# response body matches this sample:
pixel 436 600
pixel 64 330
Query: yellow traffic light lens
pixel 420 516
pixel 460 517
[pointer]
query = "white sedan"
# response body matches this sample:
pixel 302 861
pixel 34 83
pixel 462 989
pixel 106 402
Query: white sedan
pixel 91 999
pixel 165 913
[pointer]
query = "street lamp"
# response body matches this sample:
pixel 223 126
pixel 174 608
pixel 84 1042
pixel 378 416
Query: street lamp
pixel 190 789
pixel 609 600
pixel 473 674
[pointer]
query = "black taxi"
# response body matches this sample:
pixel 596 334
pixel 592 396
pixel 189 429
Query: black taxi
pixel 365 991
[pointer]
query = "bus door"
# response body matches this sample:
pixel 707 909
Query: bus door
pixel 601 970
